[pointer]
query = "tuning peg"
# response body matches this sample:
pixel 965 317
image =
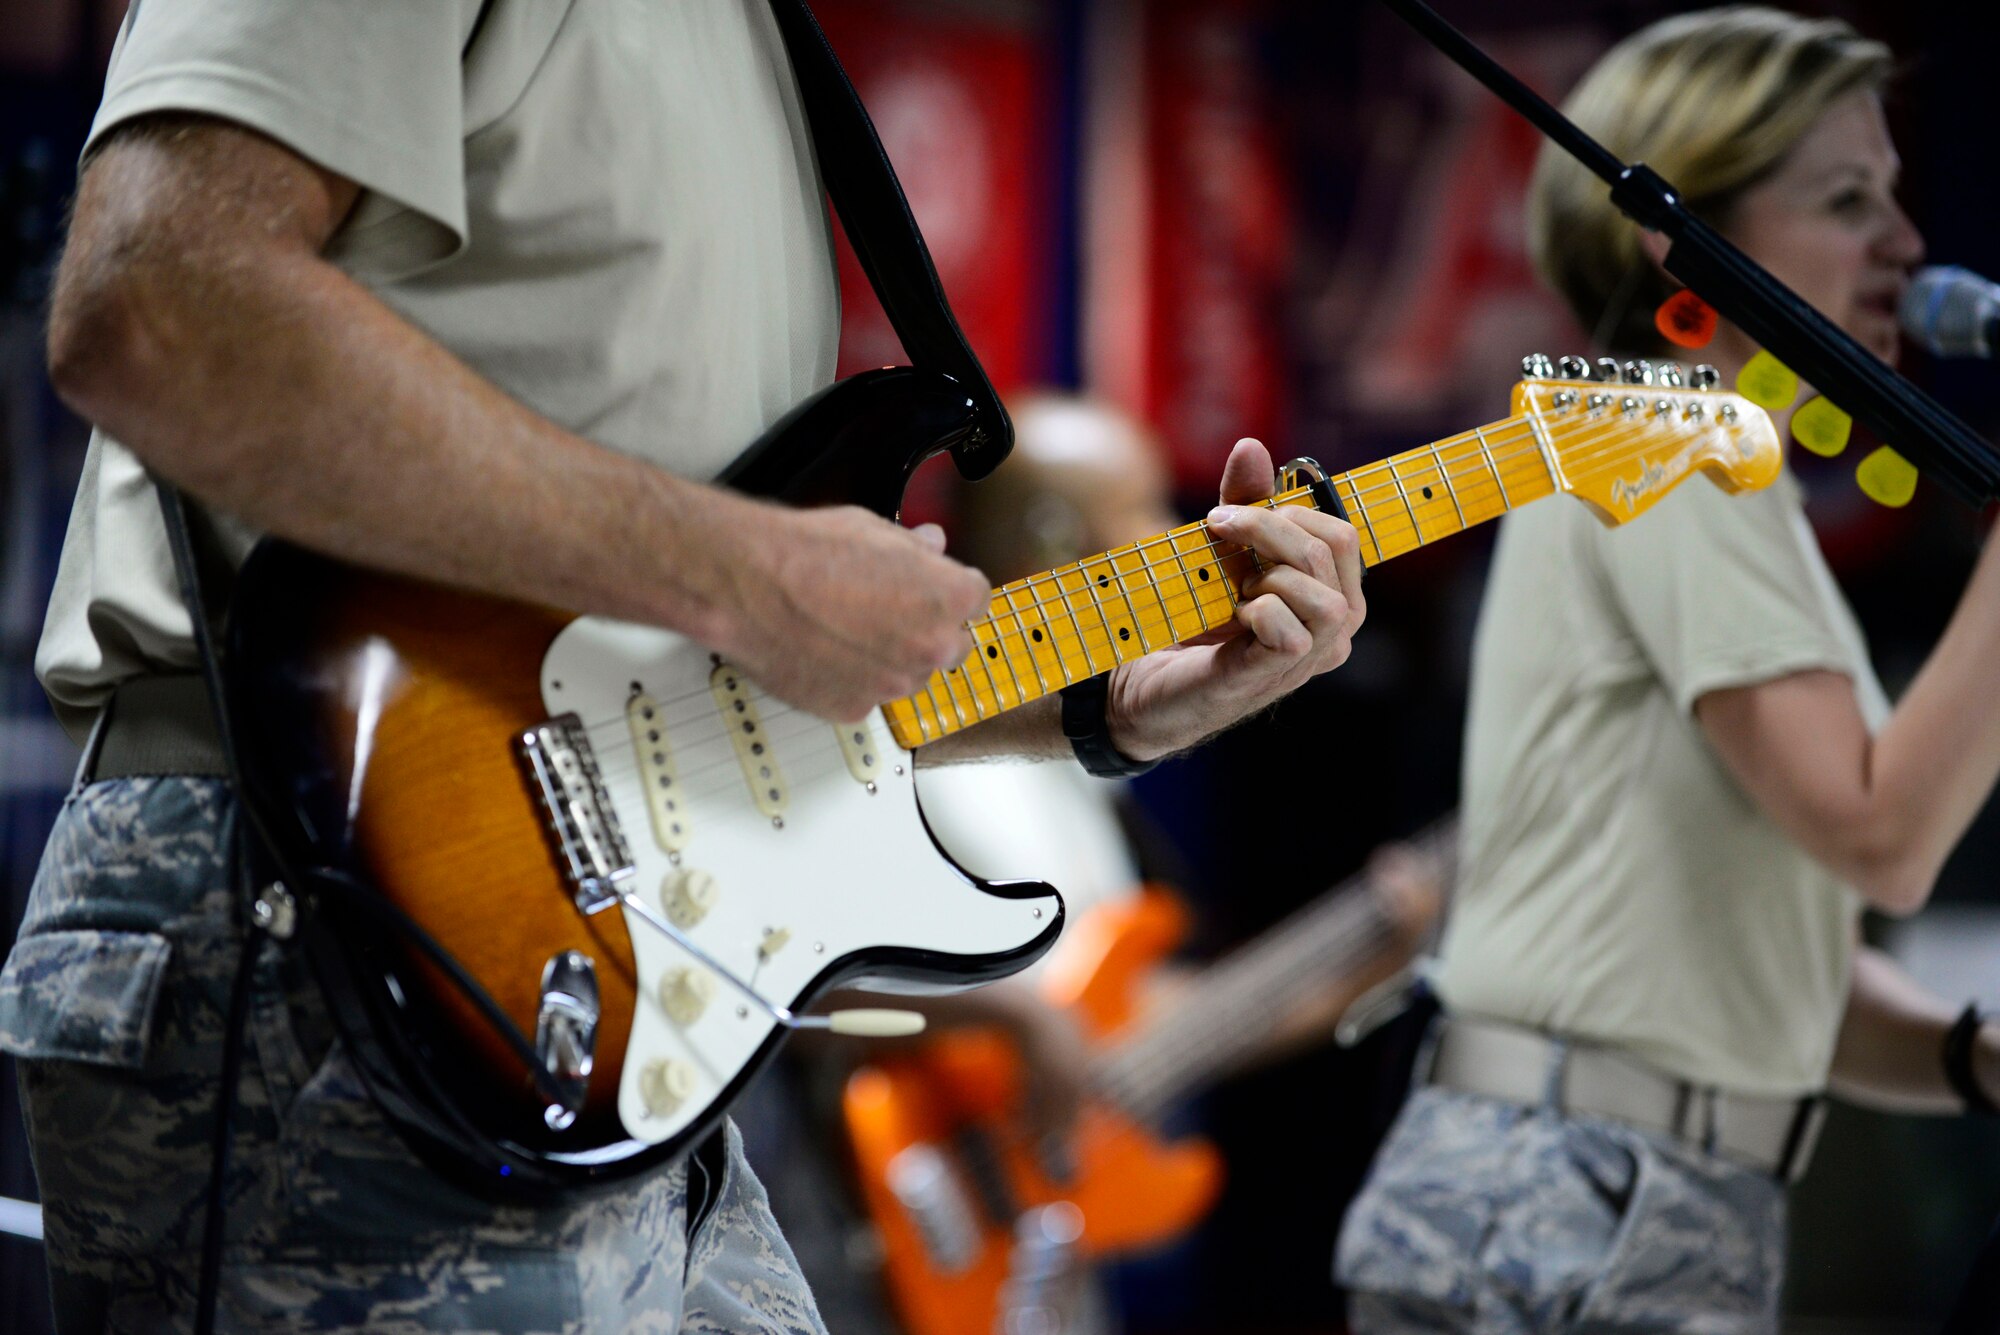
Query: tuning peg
pixel 1670 375
pixel 1607 370
pixel 1537 366
pixel 1638 373
pixel 1705 377
pixel 1574 368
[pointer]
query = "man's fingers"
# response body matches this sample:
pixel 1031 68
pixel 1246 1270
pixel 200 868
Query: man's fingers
pixel 1273 535
pixel 1278 630
pixel 1248 475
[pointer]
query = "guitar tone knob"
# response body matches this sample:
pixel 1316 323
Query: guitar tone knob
pixel 687 895
pixel 664 1085
pixel 685 993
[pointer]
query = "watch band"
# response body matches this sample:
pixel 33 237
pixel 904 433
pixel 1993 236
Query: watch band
pixel 1958 1041
pixel 1083 722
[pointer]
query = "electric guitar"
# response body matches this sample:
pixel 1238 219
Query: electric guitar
pixel 970 1216
pixel 580 876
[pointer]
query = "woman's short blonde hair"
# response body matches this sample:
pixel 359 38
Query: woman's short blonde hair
pixel 1713 101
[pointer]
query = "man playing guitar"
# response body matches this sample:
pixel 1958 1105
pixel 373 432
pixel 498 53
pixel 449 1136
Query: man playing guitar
pixel 484 312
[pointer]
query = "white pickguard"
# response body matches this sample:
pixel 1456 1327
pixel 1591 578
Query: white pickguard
pixel 844 870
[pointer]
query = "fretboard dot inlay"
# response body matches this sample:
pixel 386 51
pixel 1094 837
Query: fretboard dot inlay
pixel 992 651
pixel 1124 633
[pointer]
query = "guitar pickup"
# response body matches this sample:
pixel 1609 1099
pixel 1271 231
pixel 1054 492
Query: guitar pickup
pixel 583 828
pixel 658 774
pixel 745 726
pixel 860 750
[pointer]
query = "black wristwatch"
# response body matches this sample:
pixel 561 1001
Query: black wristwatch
pixel 1958 1042
pixel 1089 735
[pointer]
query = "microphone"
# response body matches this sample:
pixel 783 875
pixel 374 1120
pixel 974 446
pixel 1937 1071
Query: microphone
pixel 1952 312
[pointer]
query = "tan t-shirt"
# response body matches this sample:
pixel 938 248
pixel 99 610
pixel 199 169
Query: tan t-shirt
pixel 609 208
pixel 1617 884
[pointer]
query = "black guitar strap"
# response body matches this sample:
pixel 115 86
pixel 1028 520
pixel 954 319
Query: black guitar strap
pixel 862 183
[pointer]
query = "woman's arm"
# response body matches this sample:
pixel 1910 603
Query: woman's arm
pixel 1880 812
pixel 1891 1050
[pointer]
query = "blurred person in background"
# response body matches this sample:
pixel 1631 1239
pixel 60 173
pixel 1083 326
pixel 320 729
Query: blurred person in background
pixel 1683 782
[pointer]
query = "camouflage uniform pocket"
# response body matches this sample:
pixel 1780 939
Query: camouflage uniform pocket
pixel 82 995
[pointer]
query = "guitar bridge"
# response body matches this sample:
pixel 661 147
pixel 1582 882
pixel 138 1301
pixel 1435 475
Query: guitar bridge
pixel 582 826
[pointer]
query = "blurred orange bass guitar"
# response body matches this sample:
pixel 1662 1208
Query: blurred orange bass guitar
pixel 983 1231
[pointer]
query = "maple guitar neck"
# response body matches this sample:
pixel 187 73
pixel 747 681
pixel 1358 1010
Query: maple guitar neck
pixel 1617 447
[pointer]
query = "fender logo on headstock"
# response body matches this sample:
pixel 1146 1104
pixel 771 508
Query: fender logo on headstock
pixel 1651 478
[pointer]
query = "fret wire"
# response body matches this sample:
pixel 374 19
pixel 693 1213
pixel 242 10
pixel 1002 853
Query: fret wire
pixel 1541 434
pixel 1067 601
pixel 1006 658
pixel 1090 587
pixel 1404 492
pixel 1449 489
pixel 1007 596
pixel 931 695
pixel 1111 559
pixel 1157 584
pixel 958 675
pixel 1201 617
pixel 979 657
pixel 1082 640
pixel 1367 523
pixel 1505 502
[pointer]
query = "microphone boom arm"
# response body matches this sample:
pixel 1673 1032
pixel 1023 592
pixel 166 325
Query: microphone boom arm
pixel 1943 448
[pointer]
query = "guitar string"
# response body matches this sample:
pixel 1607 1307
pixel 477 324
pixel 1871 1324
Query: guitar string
pixel 621 761
pixel 1397 526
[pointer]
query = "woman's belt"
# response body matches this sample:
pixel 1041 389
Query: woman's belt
pixel 1507 1062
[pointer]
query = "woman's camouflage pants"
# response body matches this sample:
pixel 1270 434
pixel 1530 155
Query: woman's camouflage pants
pixel 1487 1218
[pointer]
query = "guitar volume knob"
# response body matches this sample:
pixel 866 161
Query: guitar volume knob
pixel 687 895
pixel 664 1085
pixel 685 993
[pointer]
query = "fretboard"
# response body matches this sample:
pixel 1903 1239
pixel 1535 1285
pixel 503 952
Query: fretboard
pixel 1048 631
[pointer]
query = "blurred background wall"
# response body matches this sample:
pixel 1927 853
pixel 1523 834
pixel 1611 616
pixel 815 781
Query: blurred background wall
pixel 1280 218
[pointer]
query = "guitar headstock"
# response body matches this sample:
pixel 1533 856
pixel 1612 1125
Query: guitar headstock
pixel 1624 435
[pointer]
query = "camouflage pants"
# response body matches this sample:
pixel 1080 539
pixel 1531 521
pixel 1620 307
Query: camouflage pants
pixel 114 1000
pixel 1486 1218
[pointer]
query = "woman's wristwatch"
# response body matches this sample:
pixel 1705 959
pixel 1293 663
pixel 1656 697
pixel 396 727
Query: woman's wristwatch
pixel 1959 1042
